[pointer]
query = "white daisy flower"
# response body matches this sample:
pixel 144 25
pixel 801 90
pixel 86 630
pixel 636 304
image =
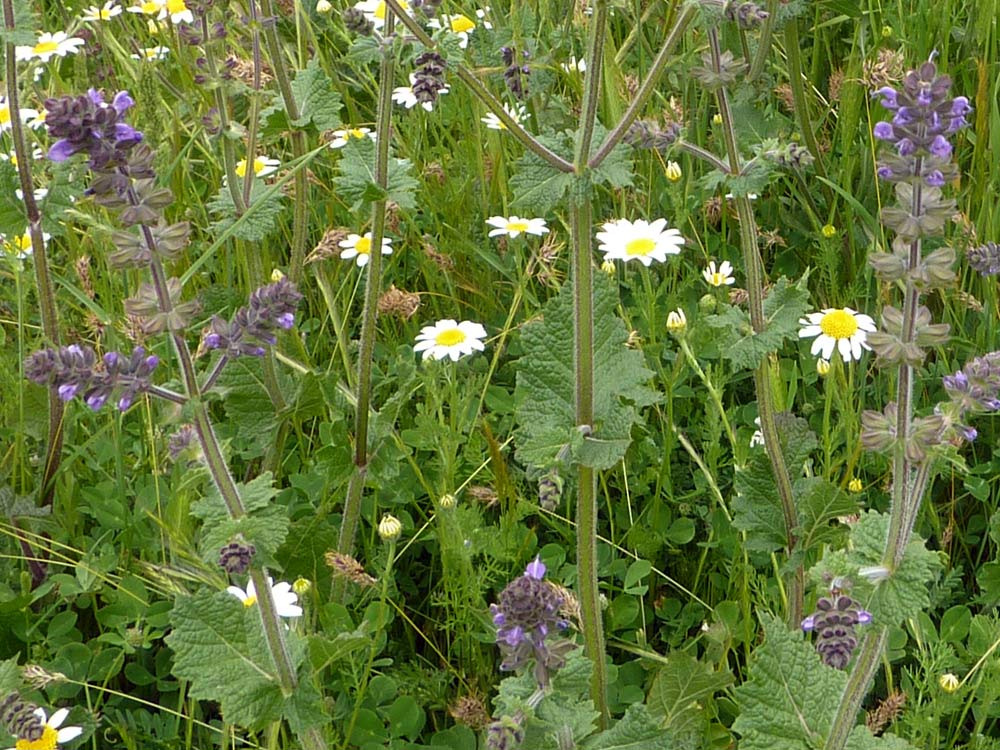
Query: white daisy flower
pixel 37 119
pixel 177 10
pixel 573 65
pixel 262 166
pixel 147 7
pixel 517 113
pixel 375 11
pixel 5 115
pixel 446 338
pixel 842 329
pixel 342 137
pixel 20 246
pixel 152 54
pixel 284 598
pixel 642 240
pixel 48 45
pixel 106 12
pixel 356 246
pixel 36 155
pixel 512 226
pixel 404 95
pixel 461 26
pixel 751 196
pixel 39 194
pixel 52 735
pixel 721 277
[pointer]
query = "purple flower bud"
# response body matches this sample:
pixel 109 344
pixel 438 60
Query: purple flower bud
pixel 885 173
pixel 960 106
pixel 905 147
pixel 122 102
pixel 125 401
pixel 213 341
pixel 257 351
pixel 934 178
pixel 969 433
pixel 67 391
pixel 888 95
pixel 286 320
pixel 991 404
pixel 152 361
pixel 97 399
pixel 112 360
pixel 535 569
pixel 883 131
pixel 864 617
pixel 61 150
pixel 940 147
pixel 924 98
pixel 809 623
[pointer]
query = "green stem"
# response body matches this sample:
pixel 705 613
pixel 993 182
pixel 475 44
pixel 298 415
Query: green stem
pixel 43 279
pixel 583 336
pixel 762 375
pixel 713 392
pixel 793 53
pixel 647 87
pixel 373 284
pixel 480 92
pixel 856 689
pixel 764 43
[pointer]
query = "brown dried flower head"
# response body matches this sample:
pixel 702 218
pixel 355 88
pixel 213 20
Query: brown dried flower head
pixel 470 711
pixel 398 302
pixel 345 566
pixel 328 247
pixel 485 495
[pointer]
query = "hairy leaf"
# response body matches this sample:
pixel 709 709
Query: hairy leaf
pixel 862 739
pixel 10 676
pixel 260 218
pixel 545 391
pixel 636 730
pixel 677 698
pixel 783 307
pixel 220 649
pixel 318 102
pixel 787 702
pixel 265 524
pixel 356 181
pixel 900 596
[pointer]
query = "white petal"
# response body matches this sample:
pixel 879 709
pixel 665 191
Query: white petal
pixel 55 721
pixel 68 734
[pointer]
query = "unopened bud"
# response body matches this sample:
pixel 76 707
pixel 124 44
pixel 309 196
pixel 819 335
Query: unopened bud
pixel 949 682
pixel 673 171
pixel 829 231
pixel 389 528
pixel 302 586
pixel 323 7
pixel 447 502
pixel 676 321
pixel 608 267
pixel 822 367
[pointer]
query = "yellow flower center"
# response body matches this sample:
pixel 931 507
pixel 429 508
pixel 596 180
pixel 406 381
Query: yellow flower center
pixel 104 14
pixel 717 279
pixel 44 48
pixel 363 246
pixel 839 324
pixel 23 243
pixel 450 337
pixel 460 24
pixel 4 115
pixel 640 246
pixel 250 601
pixel 258 167
pixel 517 226
pixel 48 741
pixel 150 7
pixel 176 6
pixel 355 133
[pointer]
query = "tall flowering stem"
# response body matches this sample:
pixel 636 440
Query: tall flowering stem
pixel 352 506
pixel 762 375
pixel 123 178
pixel 918 163
pixel 43 279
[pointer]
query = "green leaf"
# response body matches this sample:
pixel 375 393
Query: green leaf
pixel 24 21
pixel 260 218
pixel 616 169
pixel 787 703
pixel 757 507
pixel 900 596
pixel 537 185
pixel 862 739
pixel 636 730
pixel 356 181
pixel 545 390
pixel 818 502
pixel 325 651
pixel 680 692
pixel 782 309
pixel 318 102
pixel 10 676
pixel 265 524
pixel 249 412
pixel 219 648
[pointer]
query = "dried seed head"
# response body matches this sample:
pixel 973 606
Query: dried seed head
pixel 328 247
pixel 345 566
pixel 398 302
pixel 470 711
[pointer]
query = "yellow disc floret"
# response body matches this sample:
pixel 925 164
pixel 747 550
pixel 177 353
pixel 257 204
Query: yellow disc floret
pixel 640 246
pixel 839 324
pixel 451 337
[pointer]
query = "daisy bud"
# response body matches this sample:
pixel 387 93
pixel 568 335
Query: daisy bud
pixel 673 171
pixel 716 119
pixel 608 267
pixel 822 367
pixel 829 231
pixel 855 485
pixel 949 682
pixel 676 321
pixel 389 528
pixel 447 502
pixel 301 586
pixel 323 7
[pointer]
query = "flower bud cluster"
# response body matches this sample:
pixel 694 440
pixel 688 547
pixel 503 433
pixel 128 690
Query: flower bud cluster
pixel 973 389
pixel 88 124
pixel 235 557
pixel 924 116
pixel 878 432
pixel 550 489
pixel 271 307
pixel 516 72
pixel 528 612
pixel 20 719
pixel 75 370
pixel 985 259
pixel 506 733
pixel 357 22
pixel 747 15
pixel 647 134
pixel 834 623
pixel 428 78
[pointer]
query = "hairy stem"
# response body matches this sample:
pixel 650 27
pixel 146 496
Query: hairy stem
pixel 856 689
pixel 762 375
pixel 583 335
pixel 373 286
pixel 793 53
pixel 43 279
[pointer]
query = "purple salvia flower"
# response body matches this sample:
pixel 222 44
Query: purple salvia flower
pixel 809 624
pixel 934 178
pixel 940 147
pixel 535 569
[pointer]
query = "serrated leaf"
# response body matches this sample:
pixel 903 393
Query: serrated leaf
pixel 260 218
pixel 757 507
pixel 636 730
pixel 782 309
pixel 24 22
pixel 861 738
pixel 265 524
pixel 325 651
pixel 356 181
pixel 219 648
pixel 537 185
pixel 616 169
pixel 787 703
pixel 680 690
pixel 545 385
pixel 819 501
pixel 317 101
pixel 10 676
pixel 902 595
pixel 249 411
